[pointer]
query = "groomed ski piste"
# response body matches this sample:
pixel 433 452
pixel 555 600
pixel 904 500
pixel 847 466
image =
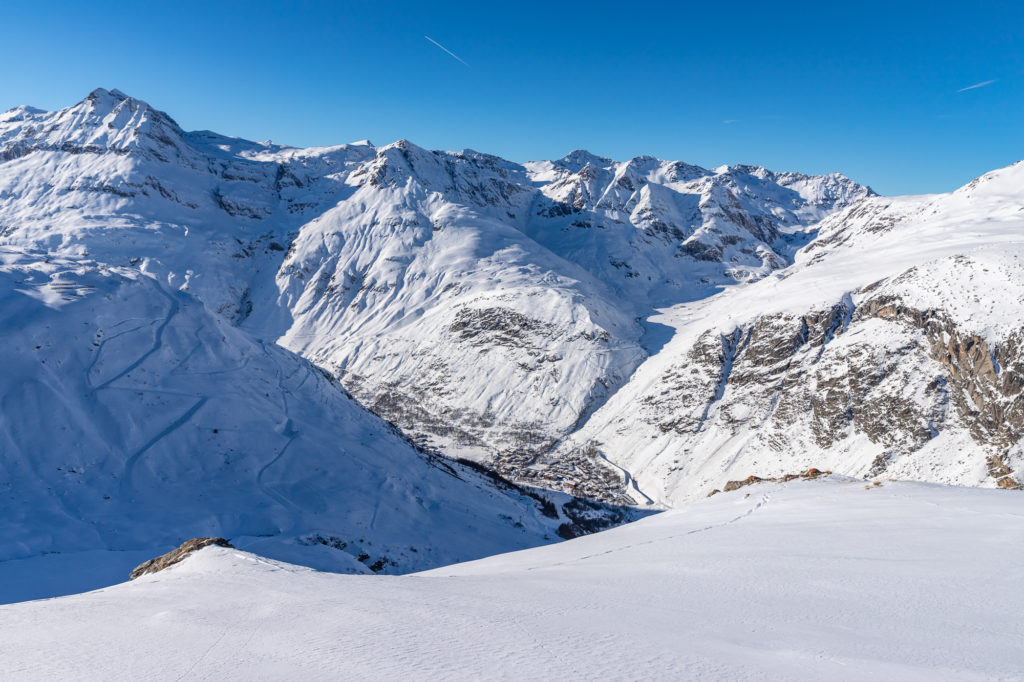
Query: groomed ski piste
pixel 827 579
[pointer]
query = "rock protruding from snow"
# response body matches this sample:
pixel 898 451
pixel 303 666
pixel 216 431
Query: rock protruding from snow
pixel 175 555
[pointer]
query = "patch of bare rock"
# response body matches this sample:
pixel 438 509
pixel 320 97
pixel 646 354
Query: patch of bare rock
pixel 175 555
pixel 751 480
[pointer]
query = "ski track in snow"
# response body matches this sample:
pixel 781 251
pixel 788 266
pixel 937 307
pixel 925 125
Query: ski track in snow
pixel 130 463
pixel 157 340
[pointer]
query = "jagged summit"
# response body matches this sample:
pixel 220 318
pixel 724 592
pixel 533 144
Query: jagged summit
pixel 102 95
pixel 577 159
pixel 105 102
pixel 103 121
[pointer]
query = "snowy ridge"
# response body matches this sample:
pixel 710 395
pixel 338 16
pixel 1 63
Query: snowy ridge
pixel 486 307
pixel 489 308
pixel 816 580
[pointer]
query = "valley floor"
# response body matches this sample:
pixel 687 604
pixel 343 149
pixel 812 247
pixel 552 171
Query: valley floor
pixel 827 579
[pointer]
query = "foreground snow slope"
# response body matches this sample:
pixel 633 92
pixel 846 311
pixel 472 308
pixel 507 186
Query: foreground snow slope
pixel 829 579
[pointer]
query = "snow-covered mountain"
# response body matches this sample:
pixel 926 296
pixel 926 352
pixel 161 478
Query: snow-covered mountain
pixel 132 417
pixel 492 307
pixel 892 347
pixel 631 332
pixel 486 307
pixel 810 580
pixel 136 412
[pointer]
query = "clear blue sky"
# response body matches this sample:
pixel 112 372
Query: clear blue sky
pixel 868 89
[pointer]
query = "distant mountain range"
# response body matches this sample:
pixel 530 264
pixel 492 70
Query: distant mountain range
pixel 189 317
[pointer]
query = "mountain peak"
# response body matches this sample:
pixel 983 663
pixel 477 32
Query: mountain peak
pixel 577 159
pixel 103 92
pixel 101 98
pixel 103 102
pixel 20 113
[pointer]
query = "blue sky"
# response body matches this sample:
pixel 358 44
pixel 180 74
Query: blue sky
pixel 869 89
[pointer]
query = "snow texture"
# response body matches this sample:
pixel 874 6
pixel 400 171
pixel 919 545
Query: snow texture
pixel 827 579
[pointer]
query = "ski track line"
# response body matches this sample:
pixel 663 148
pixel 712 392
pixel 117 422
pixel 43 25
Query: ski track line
pixel 206 653
pixel 158 340
pixel 289 431
pixel 277 497
pixel 99 349
pixel 129 464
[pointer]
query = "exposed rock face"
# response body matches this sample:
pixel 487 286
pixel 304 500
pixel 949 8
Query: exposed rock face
pixel 892 379
pixel 811 473
pixel 1003 474
pixel 888 371
pixel 174 556
pixel 984 384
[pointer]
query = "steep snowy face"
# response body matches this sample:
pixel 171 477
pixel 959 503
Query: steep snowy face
pixel 105 121
pixel 131 418
pixel 421 293
pixel 489 307
pixel 892 348
pixel 114 180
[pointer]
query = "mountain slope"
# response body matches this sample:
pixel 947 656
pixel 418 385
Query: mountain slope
pixel 489 308
pixel 892 347
pixel 132 418
pixel 634 332
pixel 813 580
pixel 486 307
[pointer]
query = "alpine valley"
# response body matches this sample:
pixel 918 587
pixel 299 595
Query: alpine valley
pixel 387 359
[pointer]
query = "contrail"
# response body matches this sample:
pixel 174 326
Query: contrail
pixel 446 50
pixel 969 87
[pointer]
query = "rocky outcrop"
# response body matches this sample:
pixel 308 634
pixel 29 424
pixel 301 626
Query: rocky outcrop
pixel 985 384
pixel 176 555
pixel 998 469
pixel 810 474
pixel 865 386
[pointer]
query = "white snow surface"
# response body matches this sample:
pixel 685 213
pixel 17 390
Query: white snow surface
pixel 136 412
pixel 828 579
